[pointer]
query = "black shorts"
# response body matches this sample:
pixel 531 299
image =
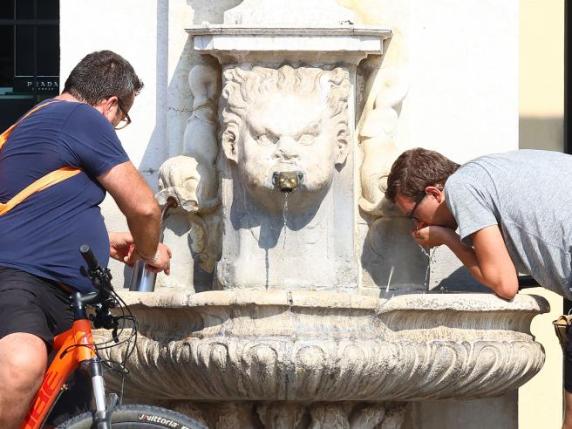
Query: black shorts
pixel 32 305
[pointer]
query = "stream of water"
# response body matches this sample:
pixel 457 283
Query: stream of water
pixel 285 218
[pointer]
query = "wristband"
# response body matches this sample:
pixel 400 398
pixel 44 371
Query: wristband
pixel 152 260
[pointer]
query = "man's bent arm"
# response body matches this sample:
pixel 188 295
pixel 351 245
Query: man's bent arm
pixel 136 201
pixel 488 260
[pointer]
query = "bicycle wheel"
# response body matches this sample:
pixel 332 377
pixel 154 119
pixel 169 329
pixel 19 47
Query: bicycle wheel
pixel 137 417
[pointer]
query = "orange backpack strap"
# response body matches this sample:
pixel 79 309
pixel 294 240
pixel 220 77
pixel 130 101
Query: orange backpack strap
pixel 43 182
pixel 39 185
pixel 4 136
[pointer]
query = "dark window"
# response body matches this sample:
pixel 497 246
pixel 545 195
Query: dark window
pixel 29 55
pixel 6 55
pixel 49 9
pixel 48 50
pixel 25 9
pixel 25 50
pixel 6 9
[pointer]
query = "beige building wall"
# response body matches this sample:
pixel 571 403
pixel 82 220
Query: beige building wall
pixel 541 127
pixel 541 74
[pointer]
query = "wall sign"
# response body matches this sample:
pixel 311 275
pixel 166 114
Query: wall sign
pixel 39 85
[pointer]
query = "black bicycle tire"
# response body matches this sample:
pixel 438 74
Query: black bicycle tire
pixel 136 416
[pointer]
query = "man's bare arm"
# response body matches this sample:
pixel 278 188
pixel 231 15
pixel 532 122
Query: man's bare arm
pixel 136 201
pixel 495 262
pixel 488 260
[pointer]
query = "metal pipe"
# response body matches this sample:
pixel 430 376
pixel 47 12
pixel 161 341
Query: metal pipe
pixel 142 278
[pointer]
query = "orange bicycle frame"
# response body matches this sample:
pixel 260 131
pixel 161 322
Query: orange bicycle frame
pixel 73 347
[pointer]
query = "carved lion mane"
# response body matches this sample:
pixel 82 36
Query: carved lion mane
pixel 244 86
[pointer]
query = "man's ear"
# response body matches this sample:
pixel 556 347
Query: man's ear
pixel 106 104
pixel 107 107
pixel 436 191
pixel 229 144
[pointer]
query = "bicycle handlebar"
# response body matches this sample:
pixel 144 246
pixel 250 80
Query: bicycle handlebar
pixel 102 299
pixel 89 257
pixel 100 277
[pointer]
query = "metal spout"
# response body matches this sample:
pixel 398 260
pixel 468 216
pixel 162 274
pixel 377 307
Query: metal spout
pixel 287 181
pixel 142 278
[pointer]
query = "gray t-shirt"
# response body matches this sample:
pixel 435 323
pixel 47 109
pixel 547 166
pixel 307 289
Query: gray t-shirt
pixel 528 193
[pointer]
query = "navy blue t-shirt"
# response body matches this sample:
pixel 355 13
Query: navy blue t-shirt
pixel 42 235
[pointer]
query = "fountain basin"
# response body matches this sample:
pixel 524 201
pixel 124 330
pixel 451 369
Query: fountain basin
pixel 282 345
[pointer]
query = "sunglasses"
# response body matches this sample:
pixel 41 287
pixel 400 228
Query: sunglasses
pixel 411 214
pixel 126 120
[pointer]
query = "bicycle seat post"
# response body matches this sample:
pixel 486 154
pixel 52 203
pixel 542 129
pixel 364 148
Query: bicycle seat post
pixel 79 312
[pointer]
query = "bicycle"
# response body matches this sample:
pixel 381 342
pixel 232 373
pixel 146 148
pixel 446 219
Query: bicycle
pixel 76 348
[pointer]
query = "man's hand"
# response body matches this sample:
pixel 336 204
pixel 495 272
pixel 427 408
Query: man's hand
pixel 161 261
pixel 433 236
pixel 121 247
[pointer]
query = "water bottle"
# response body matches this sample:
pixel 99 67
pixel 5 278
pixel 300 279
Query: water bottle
pixel 142 278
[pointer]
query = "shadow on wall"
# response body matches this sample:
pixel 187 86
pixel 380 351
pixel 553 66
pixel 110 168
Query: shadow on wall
pixel 396 265
pixel 390 258
pixel 541 133
pixel 460 280
pixel 173 97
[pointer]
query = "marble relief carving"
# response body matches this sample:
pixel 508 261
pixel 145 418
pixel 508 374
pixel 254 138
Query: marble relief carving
pixel 286 140
pixel 287 415
pixel 282 415
pixel 285 120
pixel 191 178
pixel 377 140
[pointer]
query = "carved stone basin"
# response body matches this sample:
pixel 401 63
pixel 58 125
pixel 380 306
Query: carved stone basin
pixel 279 345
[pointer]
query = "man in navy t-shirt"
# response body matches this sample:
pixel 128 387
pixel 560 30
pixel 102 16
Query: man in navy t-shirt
pixel 39 238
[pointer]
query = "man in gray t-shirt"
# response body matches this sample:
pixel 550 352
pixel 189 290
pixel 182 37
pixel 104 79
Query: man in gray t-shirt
pixel 528 195
pixel 512 212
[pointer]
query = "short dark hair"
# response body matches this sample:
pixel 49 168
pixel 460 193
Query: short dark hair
pixel 415 169
pixel 101 75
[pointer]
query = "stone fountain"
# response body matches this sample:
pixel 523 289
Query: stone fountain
pixel 297 299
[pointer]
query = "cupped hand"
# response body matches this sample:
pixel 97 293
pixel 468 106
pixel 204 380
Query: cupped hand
pixel 431 236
